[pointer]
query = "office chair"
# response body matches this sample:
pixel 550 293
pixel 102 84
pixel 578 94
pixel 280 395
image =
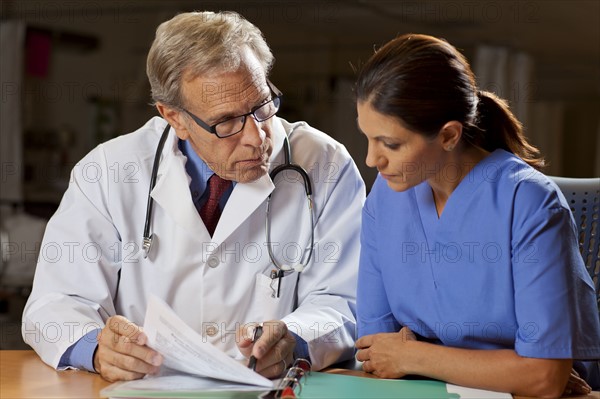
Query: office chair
pixel 583 196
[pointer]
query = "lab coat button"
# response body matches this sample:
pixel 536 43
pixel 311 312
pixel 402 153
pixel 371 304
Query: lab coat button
pixel 212 330
pixel 213 262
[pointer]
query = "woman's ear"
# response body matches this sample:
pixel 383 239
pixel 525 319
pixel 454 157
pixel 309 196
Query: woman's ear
pixel 175 118
pixel 450 135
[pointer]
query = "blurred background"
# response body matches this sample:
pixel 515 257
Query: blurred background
pixel 73 75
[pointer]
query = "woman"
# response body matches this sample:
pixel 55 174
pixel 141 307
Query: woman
pixel 470 271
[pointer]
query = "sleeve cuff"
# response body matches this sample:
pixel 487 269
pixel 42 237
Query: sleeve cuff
pixel 80 355
pixel 301 349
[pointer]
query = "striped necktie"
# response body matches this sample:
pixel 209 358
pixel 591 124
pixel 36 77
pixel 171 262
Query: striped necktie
pixel 210 211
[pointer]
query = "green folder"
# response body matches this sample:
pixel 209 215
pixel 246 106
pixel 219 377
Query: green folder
pixel 326 385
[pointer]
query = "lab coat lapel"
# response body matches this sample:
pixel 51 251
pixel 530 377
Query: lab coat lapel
pixel 244 200
pixel 247 197
pixel 172 191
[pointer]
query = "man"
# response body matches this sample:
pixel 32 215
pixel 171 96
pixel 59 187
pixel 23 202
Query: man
pixel 208 74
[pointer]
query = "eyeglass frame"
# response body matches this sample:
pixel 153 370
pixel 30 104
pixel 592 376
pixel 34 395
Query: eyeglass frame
pixel 276 94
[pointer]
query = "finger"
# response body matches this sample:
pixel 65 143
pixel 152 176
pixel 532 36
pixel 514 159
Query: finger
pixel 112 373
pixel 362 355
pixel 244 338
pixel 273 332
pixel 364 342
pixel 119 325
pixel 143 353
pixel 122 345
pixel 115 353
pixel 576 379
pixel 246 333
pixel 113 365
pixel 111 340
pixel 579 389
pixel 274 370
pixel 578 385
pixel 367 367
pixel 408 334
pixel 278 357
pixel 131 364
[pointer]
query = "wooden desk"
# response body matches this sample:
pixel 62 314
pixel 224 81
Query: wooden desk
pixel 24 375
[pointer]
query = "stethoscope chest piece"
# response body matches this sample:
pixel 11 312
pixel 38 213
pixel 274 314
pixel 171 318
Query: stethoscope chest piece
pixel 147 245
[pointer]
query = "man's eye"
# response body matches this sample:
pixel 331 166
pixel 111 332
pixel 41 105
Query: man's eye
pixel 227 121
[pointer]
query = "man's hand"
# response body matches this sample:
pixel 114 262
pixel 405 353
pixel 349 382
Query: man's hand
pixel 122 353
pixel 384 354
pixel 274 350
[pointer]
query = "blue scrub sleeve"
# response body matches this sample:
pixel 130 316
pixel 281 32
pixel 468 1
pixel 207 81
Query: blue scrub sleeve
pixel 554 295
pixel 373 311
pixel 80 355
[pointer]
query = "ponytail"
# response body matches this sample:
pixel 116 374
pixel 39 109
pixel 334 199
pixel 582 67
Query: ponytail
pixel 497 127
pixel 426 82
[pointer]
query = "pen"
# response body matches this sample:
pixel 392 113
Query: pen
pixel 258 330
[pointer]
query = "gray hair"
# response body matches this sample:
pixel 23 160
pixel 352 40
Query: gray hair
pixel 196 43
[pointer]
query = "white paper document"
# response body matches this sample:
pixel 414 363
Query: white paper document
pixel 185 350
pixel 173 386
pixel 476 393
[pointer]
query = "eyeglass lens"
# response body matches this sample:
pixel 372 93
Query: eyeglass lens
pixel 261 114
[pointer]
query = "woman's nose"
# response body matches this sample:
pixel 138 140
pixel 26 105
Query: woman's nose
pixel 372 158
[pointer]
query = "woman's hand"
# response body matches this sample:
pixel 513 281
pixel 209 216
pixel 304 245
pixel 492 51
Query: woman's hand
pixel 576 385
pixel 386 355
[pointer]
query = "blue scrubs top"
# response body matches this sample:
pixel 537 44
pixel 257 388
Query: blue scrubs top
pixel 499 269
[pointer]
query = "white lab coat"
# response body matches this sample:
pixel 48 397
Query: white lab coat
pixel 214 285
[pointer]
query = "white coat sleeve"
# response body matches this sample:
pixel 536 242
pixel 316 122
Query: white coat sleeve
pixel 325 316
pixel 77 271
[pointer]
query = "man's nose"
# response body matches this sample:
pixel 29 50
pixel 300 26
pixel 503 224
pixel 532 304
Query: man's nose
pixel 252 134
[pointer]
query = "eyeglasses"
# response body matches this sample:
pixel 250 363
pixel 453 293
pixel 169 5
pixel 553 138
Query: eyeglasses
pixel 236 124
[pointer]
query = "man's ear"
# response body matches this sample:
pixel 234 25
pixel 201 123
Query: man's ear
pixel 450 135
pixel 175 118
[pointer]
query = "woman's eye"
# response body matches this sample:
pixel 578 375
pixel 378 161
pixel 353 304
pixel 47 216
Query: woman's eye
pixel 392 146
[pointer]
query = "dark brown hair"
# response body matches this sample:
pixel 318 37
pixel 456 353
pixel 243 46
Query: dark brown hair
pixel 425 82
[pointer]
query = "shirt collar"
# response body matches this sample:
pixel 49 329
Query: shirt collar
pixel 196 168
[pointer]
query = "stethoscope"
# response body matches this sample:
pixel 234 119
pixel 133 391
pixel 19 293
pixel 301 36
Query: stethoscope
pixel 287 165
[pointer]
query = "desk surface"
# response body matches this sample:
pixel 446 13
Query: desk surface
pixel 24 375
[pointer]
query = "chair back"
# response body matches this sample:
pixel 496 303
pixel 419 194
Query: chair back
pixel 583 196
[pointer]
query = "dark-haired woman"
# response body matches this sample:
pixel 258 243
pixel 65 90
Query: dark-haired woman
pixel 470 271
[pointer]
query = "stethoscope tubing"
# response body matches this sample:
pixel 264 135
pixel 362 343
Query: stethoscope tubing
pixel 147 238
pixel 287 165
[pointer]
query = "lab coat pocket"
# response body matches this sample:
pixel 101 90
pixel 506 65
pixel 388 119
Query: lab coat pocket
pixel 268 305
